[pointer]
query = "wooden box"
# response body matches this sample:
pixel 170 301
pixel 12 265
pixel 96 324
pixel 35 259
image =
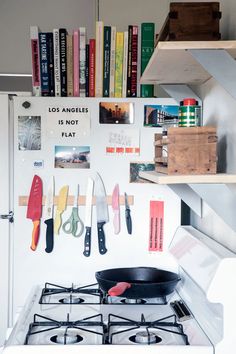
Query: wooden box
pixel 186 151
pixel 192 21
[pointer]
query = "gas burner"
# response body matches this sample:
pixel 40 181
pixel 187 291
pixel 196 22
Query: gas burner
pixel 164 330
pixel 71 300
pixel 133 301
pixel 145 337
pixel 66 339
pixel 65 332
pixel 53 294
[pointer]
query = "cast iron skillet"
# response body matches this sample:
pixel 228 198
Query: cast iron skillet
pixel 137 282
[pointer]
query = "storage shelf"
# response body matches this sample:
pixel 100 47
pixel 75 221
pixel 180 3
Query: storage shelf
pixel 173 62
pixel 161 178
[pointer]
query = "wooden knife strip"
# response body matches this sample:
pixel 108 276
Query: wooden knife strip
pixel 23 200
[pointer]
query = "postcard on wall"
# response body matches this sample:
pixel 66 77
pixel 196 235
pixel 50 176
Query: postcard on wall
pixel 157 115
pixel 68 122
pixel 116 113
pixel 138 166
pixel 72 156
pixel 29 133
pixel 123 142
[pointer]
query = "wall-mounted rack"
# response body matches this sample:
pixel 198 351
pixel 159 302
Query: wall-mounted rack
pixel 23 200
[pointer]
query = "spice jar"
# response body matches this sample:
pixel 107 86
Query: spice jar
pixel 189 113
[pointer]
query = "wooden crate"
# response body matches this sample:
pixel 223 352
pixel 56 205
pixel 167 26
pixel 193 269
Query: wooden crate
pixel 189 151
pixel 192 21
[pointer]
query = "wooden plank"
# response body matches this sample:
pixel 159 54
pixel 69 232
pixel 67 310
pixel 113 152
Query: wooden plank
pixel 161 178
pixel 23 200
pixel 172 62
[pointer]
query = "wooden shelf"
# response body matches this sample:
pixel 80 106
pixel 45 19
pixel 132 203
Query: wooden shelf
pixel 161 178
pixel 173 63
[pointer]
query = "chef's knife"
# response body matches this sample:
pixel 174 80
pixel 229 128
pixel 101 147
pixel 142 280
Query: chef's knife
pixel 116 208
pixel 61 206
pixel 34 210
pixel 49 216
pixel 88 217
pixel 128 216
pixel 102 212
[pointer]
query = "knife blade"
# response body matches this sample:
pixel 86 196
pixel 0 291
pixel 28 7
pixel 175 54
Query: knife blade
pixel 128 216
pixel 34 209
pixel 115 202
pixel 49 216
pixel 88 217
pixel 102 212
pixel 61 206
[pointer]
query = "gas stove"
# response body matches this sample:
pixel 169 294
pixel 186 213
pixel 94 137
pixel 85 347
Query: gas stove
pixel 60 317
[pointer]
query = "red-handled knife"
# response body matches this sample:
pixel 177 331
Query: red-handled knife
pixel 116 208
pixel 34 210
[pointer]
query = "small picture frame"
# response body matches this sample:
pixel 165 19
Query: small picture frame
pixel 116 113
pixel 72 156
pixel 159 115
pixel 138 166
pixel 29 133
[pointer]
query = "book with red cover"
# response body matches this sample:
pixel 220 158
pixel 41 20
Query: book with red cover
pixel 92 50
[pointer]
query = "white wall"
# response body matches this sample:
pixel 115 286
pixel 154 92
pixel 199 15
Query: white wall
pixel 17 16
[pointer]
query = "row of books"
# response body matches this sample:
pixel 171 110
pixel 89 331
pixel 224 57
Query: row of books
pixel 108 65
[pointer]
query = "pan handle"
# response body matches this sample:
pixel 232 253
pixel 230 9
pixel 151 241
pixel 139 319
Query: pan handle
pixel 119 289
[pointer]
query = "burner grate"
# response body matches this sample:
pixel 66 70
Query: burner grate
pixel 163 324
pixel 54 289
pixel 50 324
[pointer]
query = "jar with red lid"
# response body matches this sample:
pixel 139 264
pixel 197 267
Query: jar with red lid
pixel 189 113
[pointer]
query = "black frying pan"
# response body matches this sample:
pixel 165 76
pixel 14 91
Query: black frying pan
pixel 137 282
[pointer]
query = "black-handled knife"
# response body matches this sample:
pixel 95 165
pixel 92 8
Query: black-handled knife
pixel 128 216
pixel 88 217
pixel 49 217
pixel 101 238
pixel 49 235
pixel 102 213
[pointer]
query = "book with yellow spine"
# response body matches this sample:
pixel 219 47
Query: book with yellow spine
pixel 119 64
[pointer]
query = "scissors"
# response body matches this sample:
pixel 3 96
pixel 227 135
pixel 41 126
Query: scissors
pixel 74 222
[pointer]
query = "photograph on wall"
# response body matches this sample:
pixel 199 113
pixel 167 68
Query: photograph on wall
pixel 136 167
pixel 116 113
pixel 72 156
pixel 29 133
pixel 158 115
pixel 122 142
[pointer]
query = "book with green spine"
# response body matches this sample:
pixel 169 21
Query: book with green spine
pixel 147 47
pixel 119 64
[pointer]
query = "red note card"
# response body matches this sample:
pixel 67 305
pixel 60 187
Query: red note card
pixel 156 226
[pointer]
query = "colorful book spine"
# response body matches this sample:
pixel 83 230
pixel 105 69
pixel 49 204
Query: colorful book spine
pixel 51 64
pixel 87 71
pixel 139 62
pixel 34 37
pixel 147 47
pixel 119 63
pixel 82 60
pixel 62 37
pixel 76 62
pixel 92 51
pixel 69 64
pixel 134 62
pixel 129 63
pixel 125 64
pixel 99 59
pixel 57 76
pixel 112 62
pixel 106 60
pixel 44 67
